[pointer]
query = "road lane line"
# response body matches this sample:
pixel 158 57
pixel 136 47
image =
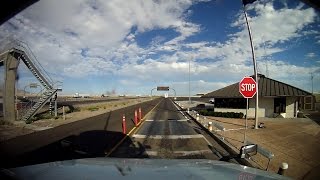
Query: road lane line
pixel 186 153
pixel 141 136
pixel 218 130
pixel 150 120
pixel 151 153
pixel 183 153
pixel 179 109
pixel 209 143
pixel 137 128
pixel 140 124
pixel 143 119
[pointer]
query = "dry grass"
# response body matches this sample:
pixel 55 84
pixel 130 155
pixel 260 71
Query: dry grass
pixel 3 122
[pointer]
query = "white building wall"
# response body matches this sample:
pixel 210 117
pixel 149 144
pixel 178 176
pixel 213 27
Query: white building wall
pixel 266 108
pixel 230 110
pixel 290 107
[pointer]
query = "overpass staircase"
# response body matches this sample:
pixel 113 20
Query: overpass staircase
pixel 22 52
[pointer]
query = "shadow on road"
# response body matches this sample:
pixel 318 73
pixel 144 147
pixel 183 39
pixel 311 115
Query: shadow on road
pixel 89 144
pixel 107 121
pixel 128 149
pixel 91 137
pixel 314 116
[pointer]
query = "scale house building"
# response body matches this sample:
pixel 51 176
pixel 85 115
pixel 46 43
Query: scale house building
pixel 276 99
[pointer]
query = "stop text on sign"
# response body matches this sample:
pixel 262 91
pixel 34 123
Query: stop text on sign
pixel 248 87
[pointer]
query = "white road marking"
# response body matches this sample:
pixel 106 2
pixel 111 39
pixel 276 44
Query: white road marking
pixel 150 120
pixel 207 140
pixel 201 134
pixel 151 153
pixel 218 130
pixel 141 136
pixel 180 111
pixel 183 153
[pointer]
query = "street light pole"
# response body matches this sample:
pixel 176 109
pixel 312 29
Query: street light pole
pixel 189 82
pixel 254 67
pixel 311 83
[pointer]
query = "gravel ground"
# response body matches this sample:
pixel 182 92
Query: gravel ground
pixel 294 141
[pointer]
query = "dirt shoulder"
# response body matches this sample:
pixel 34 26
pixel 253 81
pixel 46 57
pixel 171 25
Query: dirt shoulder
pixel 19 128
pixel 294 141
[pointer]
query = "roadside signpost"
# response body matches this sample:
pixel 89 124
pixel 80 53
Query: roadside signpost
pixel 255 69
pixel 164 88
pixel 248 88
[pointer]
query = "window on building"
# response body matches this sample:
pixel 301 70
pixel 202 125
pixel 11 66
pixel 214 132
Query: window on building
pixel 280 105
pixel 232 103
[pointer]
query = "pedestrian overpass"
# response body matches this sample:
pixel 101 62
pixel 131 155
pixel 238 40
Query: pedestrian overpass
pixel 11 54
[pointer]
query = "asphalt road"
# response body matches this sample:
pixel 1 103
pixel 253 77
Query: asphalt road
pixel 91 137
pixel 205 100
pixel 78 101
pixel 168 133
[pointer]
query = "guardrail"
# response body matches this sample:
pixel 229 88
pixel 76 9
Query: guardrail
pixel 264 152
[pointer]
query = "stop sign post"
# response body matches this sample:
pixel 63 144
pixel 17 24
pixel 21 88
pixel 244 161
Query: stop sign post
pixel 248 88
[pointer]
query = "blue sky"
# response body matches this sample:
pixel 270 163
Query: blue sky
pixel 133 46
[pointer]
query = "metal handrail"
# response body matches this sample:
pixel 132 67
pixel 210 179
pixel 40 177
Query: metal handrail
pixel 15 43
pixel 28 51
pixel 30 103
pixel 57 85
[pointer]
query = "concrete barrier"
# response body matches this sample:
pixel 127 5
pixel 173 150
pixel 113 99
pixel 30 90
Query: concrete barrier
pixel 219 126
pixel 210 126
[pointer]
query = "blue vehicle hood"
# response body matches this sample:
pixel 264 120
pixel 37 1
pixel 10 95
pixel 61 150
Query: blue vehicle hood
pixel 113 168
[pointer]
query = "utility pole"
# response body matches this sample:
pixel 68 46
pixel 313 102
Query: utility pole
pixel 254 67
pixel 266 58
pixel 189 83
pixel 311 83
pixel 55 105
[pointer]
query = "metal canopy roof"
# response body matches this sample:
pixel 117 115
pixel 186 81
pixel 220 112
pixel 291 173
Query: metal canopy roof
pixel 267 88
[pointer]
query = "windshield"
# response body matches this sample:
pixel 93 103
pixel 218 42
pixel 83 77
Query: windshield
pixel 161 79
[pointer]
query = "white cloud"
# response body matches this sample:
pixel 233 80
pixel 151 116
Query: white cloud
pixel 92 66
pixel 311 55
pixel 199 86
pixel 59 32
pixel 84 38
pixel 131 83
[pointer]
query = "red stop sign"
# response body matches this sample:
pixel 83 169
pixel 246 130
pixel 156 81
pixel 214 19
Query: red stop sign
pixel 248 87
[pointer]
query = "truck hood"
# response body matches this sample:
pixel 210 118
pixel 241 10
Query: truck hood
pixel 113 168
